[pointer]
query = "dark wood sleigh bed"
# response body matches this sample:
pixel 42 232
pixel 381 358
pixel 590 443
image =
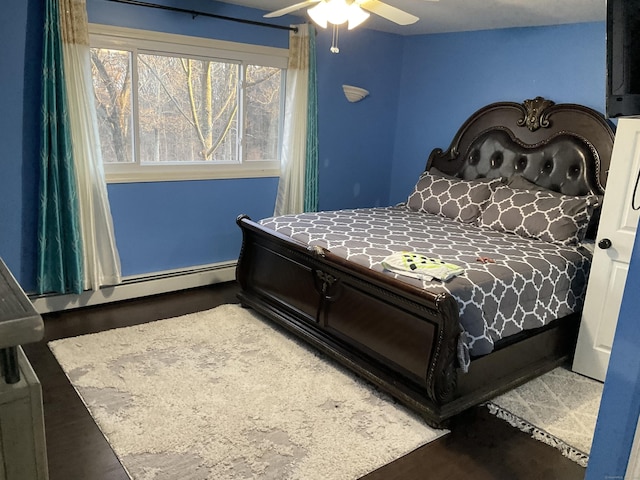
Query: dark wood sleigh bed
pixel 402 338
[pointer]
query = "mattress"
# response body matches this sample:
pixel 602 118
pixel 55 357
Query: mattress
pixel 524 284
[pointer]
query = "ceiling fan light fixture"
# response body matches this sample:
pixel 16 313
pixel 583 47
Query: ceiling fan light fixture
pixel 319 14
pixel 356 16
pixel 337 12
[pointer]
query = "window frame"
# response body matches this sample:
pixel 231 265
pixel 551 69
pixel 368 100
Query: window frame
pixel 148 42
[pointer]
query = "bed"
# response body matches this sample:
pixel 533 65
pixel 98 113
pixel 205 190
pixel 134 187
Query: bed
pixel 513 203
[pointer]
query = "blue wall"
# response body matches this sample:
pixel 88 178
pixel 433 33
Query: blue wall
pixel 21 40
pixel 12 36
pixel 356 139
pixel 162 225
pixel 446 77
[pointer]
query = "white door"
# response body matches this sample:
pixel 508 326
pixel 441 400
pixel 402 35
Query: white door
pixel 614 245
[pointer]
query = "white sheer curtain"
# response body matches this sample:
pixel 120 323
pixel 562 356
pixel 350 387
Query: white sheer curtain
pixel 290 197
pixel 101 259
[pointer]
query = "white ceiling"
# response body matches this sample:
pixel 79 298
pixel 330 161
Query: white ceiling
pixel 463 15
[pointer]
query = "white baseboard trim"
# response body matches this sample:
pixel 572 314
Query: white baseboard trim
pixel 139 286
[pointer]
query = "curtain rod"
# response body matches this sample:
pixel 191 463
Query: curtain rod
pixel 196 13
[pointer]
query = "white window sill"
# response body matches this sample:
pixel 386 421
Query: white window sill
pixel 172 173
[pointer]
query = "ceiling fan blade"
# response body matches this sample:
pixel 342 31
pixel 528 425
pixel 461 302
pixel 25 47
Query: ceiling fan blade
pixel 291 8
pixel 387 11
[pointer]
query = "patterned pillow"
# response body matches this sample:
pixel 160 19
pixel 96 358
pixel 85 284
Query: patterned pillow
pixel 518 181
pixel 545 215
pixel 460 200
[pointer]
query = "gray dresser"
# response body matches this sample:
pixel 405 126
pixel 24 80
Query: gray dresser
pixel 22 439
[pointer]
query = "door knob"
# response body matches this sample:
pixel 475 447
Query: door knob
pixel 604 243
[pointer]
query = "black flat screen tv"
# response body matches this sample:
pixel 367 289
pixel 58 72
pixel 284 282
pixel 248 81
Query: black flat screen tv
pixel 623 58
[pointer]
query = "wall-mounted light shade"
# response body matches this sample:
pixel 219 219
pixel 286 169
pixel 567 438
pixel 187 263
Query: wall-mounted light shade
pixel 354 94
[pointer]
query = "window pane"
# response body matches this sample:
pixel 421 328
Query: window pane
pixel 111 71
pixel 188 109
pixel 262 128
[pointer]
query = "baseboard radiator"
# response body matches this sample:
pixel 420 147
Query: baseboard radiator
pixel 139 286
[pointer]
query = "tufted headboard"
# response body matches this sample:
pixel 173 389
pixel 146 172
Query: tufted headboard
pixel 564 147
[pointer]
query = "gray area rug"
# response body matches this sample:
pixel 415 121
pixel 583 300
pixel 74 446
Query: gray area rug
pixel 559 408
pixel 222 394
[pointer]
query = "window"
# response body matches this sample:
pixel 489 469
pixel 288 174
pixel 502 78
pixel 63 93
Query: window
pixel 171 107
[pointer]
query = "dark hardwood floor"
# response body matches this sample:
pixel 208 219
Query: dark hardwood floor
pixel 479 447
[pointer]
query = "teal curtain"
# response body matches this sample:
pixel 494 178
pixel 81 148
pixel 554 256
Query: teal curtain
pixel 311 165
pixel 60 264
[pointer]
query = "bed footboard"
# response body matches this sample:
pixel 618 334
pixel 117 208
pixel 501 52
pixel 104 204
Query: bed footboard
pixel 401 338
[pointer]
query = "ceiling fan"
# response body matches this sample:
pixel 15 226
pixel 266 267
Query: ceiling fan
pixel 353 12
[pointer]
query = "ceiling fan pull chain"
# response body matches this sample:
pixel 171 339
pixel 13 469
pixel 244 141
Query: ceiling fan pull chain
pixel 334 41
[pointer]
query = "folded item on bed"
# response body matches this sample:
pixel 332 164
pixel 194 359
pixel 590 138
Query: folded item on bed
pixel 420 266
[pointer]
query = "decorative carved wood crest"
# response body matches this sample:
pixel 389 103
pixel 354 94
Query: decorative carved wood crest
pixel 327 281
pixel 535 113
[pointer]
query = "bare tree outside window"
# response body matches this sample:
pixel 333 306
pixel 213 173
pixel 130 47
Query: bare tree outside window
pixel 111 70
pixel 188 109
pixel 263 112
